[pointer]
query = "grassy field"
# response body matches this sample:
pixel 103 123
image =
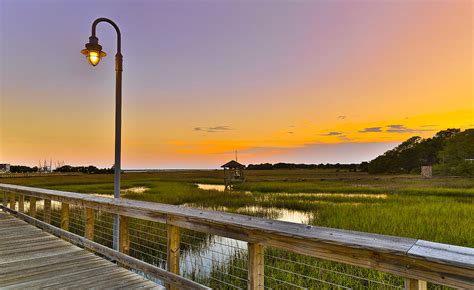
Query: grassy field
pixel 437 209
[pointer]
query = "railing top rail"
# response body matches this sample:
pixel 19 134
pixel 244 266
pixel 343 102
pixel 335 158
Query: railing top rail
pixel 412 258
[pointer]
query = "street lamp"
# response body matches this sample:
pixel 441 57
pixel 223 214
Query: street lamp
pixel 94 53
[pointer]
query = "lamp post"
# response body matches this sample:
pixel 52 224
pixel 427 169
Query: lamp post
pixel 94 53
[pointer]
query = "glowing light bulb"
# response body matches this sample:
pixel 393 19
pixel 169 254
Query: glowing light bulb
pixel 93 57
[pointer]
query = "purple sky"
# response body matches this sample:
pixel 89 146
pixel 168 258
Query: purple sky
pixel 274 77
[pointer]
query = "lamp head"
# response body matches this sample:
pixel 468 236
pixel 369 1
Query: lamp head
pixel 93 51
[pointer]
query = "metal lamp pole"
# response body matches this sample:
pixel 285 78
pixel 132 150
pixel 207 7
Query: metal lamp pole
pixel 94 53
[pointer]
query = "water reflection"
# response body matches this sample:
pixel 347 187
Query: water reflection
pixel 281 214
pixel 217 187
pixel 136 189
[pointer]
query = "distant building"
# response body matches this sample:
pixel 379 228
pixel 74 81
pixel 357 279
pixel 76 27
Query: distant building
pixel 4 168
pixel 427 171
pixel 234 172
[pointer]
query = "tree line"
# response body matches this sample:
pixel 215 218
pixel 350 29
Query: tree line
pixel 352 167
pixel 84 169
pixel 450 152
pixel 65 169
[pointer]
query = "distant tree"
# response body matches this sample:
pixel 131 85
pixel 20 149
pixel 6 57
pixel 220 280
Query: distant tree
pixel 353 167
pixel 83 169
pixel 410 155
pixel 261 166
pixel 22 169
pixel 364 166
pixel 457 154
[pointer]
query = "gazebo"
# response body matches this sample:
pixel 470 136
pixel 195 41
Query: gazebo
pixel 234 172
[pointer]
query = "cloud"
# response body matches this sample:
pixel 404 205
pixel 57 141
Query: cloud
pixel 215 129
pixel 397 128
pixel 290 132
pixel 402 129
pixel 342 117
pixel 340 135
pixel 371 130
pixel 344 138
pixel 333 133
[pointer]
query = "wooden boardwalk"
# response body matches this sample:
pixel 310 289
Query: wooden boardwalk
pixel 32 258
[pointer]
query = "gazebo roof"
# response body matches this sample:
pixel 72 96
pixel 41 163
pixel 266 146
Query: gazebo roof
pixel 233 164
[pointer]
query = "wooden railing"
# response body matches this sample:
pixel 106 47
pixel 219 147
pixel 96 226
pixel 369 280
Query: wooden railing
pixel 418 261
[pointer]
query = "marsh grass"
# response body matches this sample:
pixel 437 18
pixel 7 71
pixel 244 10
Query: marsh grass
pixel 437 209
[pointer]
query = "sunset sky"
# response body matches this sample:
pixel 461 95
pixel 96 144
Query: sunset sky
pixel 290 81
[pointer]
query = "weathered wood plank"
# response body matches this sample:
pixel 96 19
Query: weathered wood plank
pixel 35 275
pixel 110 278
pixel 35 254
pixel 137 284
pixel 47 211
pixel 34 249
pixel 27 240
pixel 32 210
pixel 21 203
pixel 45 276
pixel 11 225
pixel 89 224
pixel 5 199
pixel 413 284
pixel 443 253
pixel 26 244
pixel 20 232
pixel 161 274
pixel 256 266
pixel 94 275
pixel 173 251
pixel 12 201
pixel 65 216
pixel 19 266
pixel 90 269
pixel 38 262
pixel 124 239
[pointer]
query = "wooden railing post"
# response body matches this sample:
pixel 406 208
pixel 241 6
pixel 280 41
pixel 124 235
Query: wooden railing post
pixel 47 211
pixel 255 266
pixel 124 237
pixel 65 216
pixel 21 203
pixel 32 206
pixel 12 201
pixel 5 199
pixel 413 284
pixel 173 237
pixel 89 227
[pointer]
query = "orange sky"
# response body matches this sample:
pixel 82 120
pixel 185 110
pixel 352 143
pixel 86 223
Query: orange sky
pixel 291 82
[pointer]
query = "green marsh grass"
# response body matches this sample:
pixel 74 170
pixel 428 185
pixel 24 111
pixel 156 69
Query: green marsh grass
pixel 437 209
